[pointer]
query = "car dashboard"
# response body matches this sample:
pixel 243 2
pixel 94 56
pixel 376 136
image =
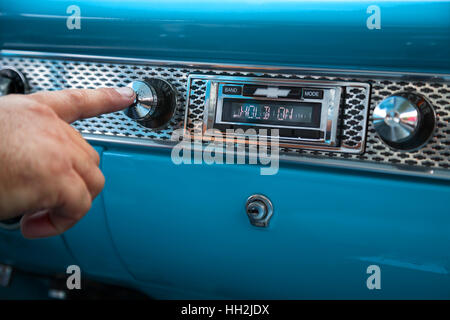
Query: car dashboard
pixel 338 189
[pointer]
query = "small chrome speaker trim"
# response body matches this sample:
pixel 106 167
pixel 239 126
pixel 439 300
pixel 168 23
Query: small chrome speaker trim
pixel 11 224
pixel 259 210
pixel 6 272
pixel 20 82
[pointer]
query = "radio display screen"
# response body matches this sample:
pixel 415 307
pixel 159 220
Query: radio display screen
pixel 280 113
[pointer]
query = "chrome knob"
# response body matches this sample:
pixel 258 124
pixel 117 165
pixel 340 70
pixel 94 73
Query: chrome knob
pixel 155 102
pixel 145 103
pixel 12 81
pixel 404 121
pixel 259 210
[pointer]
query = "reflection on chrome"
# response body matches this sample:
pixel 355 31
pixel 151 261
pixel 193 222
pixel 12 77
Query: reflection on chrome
pixel 395 118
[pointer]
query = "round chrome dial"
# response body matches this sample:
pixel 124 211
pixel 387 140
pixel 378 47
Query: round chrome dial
pixel 12 81
pixel 145 103
pixel 259 210
pixel 404 121
pixel 155 102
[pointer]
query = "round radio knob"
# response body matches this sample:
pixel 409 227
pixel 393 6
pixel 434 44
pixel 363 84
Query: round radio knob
pixel 404 121
pixel 12 81
pixel 155 102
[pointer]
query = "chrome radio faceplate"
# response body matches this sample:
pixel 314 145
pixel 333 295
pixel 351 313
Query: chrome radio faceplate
pixel 307 113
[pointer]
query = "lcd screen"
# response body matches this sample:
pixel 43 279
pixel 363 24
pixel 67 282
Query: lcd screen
pixel 280 113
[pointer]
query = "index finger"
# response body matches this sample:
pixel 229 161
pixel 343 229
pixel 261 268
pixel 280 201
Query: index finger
pixel 73 104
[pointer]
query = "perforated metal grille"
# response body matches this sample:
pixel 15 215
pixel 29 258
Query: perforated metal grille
pixel 46 74
pixel 437 151
pixel 196 105
pixel 354 117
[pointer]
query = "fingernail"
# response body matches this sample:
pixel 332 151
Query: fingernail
pixel 125 92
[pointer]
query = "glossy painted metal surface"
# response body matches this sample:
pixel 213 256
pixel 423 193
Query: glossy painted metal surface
pixel 413 35
pixel 328 226
pixel 90 243
pixel 43 256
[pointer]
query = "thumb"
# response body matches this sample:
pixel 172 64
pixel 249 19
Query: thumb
pixel 73 104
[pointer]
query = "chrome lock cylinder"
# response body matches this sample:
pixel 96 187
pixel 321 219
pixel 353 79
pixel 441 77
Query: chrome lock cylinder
pixel 259 210
pixel 12 81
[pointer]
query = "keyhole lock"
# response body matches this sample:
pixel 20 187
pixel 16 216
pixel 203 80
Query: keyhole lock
pixel 259 210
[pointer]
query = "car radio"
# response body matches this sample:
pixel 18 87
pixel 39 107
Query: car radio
pixel 308 114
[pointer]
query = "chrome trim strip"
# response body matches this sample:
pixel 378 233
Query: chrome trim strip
pixel 128 141
pixel 136 143
pixel 220 66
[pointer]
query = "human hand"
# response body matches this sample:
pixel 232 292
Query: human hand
pixel 48 172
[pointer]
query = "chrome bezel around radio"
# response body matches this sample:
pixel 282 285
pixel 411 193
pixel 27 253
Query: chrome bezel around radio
pixel 327 137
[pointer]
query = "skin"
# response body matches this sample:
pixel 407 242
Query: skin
pixel 48 172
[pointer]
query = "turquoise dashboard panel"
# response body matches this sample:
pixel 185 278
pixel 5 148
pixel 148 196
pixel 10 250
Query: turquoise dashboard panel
pixel 185 227
pixel 91 245
pixel 413 35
